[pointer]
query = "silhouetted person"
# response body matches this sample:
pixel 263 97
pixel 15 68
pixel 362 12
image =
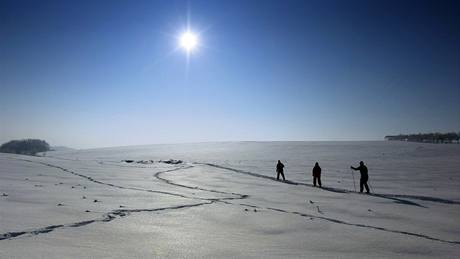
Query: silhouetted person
pixel 280 170
pixel 316 172
pixel 364 176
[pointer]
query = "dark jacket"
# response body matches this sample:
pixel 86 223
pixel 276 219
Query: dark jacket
pixel 363 170
pixel 316 170
pixel 279 167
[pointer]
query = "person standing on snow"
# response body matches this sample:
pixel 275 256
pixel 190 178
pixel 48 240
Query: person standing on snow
pixel 364 176
pixel 280 170
pixel 316 172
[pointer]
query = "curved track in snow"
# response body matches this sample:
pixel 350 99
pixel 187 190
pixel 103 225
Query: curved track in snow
pixel 207 201
pixel 396 197
pixel 119 213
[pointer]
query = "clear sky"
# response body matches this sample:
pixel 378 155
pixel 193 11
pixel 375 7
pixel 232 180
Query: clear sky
pixel 109 73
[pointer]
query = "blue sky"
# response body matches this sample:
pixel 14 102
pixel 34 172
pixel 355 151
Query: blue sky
pixel 109 73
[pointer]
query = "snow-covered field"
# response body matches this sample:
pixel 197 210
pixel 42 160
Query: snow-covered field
pixel 223 201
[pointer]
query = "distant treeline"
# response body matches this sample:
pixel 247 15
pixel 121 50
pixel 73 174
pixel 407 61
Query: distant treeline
pixel 25 146
pixel 451 137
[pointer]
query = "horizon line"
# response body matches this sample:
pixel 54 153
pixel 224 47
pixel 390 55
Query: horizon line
pixel 223 141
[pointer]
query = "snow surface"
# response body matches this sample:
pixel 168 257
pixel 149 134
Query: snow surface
pixel 223 201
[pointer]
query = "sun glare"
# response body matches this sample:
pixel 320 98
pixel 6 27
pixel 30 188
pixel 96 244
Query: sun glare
pixel 188 41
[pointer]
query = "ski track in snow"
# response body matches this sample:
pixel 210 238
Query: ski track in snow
pixel 240 196
pixel 328 219
pixel 105 218
pixel 110 184
pixel 396 197
pixel 119 213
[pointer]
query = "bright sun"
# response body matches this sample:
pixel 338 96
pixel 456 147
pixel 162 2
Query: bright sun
pixel 188 41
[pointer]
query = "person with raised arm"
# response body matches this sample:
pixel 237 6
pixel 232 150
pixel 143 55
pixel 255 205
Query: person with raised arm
pixel 364 176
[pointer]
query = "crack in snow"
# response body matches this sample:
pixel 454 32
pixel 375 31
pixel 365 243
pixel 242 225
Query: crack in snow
pixel 119 213
pixel 395 197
